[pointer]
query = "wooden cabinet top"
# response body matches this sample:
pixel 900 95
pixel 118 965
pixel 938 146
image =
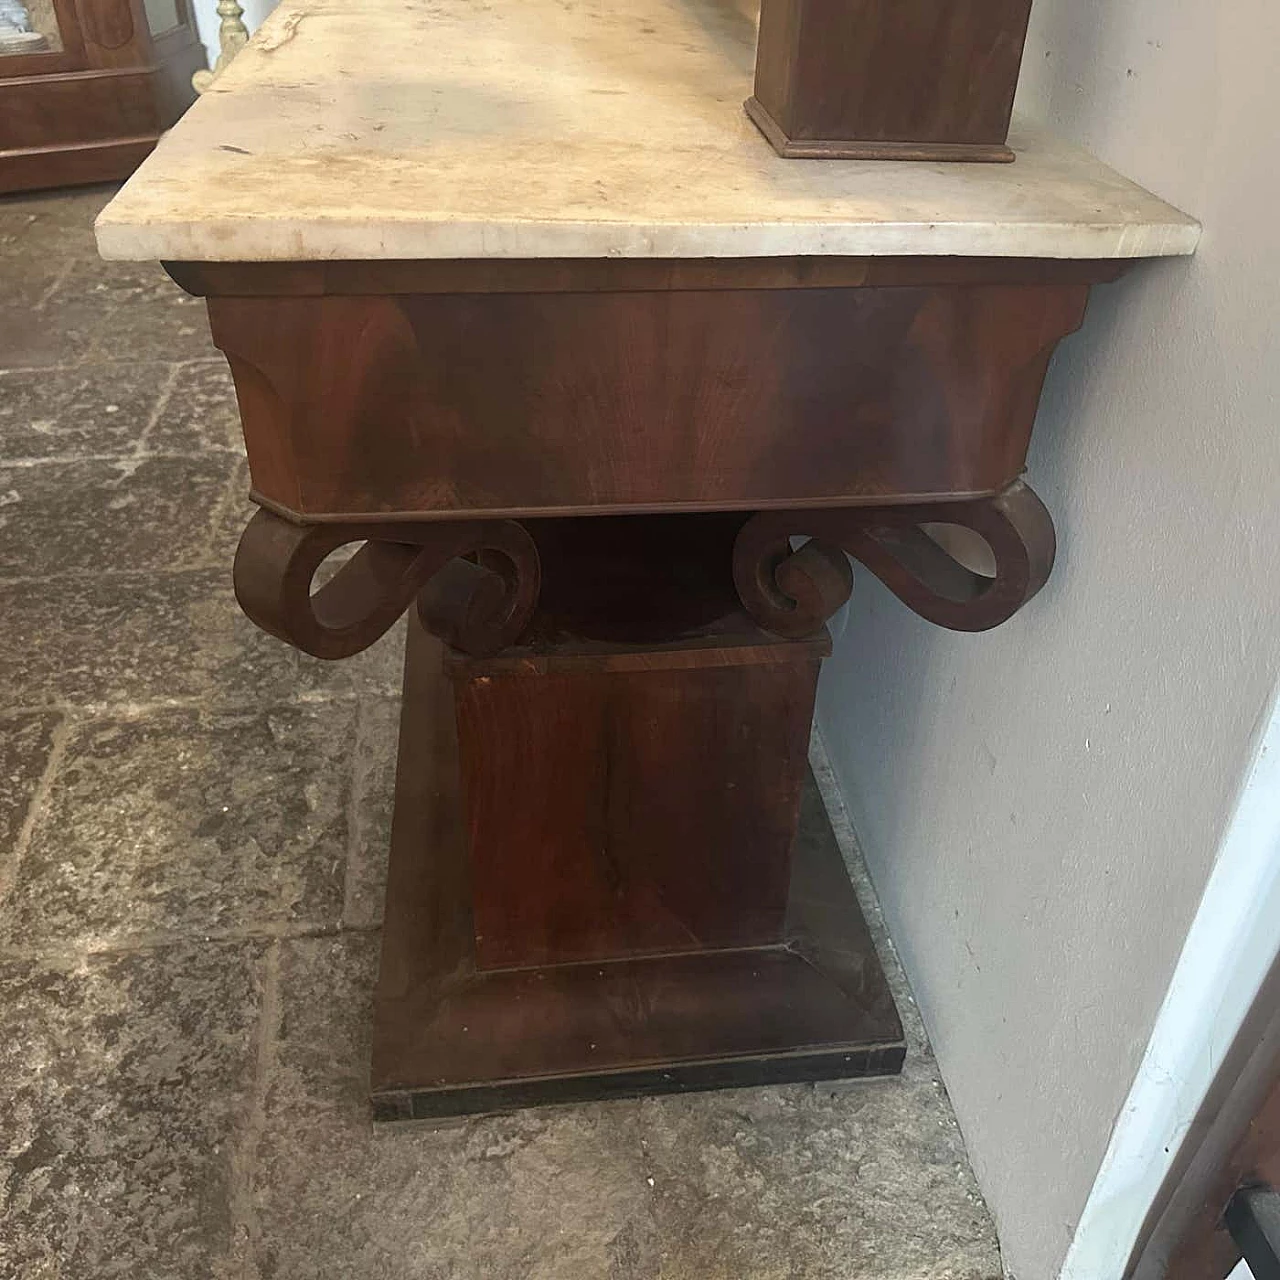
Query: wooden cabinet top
pixel 569 129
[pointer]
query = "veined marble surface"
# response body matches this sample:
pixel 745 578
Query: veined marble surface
pixel 569 128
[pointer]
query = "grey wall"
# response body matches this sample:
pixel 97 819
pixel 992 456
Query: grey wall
pixel 1041 805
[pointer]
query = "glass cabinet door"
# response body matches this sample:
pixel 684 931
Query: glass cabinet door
pixel 162 15
pixel 29 26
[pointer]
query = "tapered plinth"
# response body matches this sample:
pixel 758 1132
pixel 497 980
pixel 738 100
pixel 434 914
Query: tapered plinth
pixel 601 939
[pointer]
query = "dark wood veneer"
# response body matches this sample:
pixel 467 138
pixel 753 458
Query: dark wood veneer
pixel 472 1021
pixel 93 110
pixel 395 277
pixel 615 810
pixel 888 79
pixel 371 407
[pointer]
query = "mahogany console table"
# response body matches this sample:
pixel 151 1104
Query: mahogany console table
pixel 517 296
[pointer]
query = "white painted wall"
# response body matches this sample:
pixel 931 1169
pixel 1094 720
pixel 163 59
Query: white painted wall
pixel 207 20
pixel 1041 806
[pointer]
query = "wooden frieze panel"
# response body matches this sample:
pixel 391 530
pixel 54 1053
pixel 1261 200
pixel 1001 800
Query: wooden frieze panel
pixel 645 401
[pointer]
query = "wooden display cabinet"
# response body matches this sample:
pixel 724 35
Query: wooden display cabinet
pixel 86 96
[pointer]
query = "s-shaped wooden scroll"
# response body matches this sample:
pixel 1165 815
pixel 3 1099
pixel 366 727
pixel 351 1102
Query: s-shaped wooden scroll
pixel 478 606
pixel 793 593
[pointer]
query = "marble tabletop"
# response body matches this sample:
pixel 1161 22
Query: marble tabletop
pixel 413 129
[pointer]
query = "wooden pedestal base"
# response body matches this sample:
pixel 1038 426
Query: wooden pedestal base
pixel 625 495
pixel 525 1012
pixel 852 149
pixel 601 880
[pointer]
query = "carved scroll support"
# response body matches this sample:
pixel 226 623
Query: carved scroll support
pixel 794 593
pixel 477 605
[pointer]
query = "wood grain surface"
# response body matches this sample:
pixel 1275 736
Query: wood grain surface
pixel 889 79
pixel 359 407
pixel 451 1037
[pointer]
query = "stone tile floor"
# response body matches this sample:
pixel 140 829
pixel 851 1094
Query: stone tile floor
pixel 192 821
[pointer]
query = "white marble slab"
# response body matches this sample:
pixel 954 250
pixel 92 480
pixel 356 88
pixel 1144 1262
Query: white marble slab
pixel 364 129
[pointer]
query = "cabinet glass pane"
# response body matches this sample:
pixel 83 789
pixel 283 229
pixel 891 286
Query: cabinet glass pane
pixel 28 26
pixel 162 15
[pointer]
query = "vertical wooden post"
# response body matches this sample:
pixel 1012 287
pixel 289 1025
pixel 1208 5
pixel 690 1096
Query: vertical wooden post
pixel 888 79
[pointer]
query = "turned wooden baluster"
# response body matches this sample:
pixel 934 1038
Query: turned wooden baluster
pixel 233 35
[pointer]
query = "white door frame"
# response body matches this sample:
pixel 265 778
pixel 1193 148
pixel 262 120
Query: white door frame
pixel 1231 946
